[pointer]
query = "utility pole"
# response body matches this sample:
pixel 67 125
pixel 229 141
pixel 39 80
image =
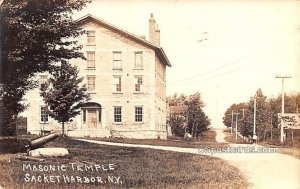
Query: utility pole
pixel 236 118
pixel 282 105
pixel 254 116
pixel 243 118
pixel 271 129
pixel 187 122
pixel 231 120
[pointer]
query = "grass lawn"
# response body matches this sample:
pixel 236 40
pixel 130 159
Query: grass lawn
pixel 132 168
pixel 290 147
pixel 293 151
pixel 207 139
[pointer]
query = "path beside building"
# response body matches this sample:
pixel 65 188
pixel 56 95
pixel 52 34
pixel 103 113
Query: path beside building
pixel 263 170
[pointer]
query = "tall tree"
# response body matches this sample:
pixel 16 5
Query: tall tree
pixel 197 120
pixel 194 119
pixel 35 36
pixel 234 108
pixel 291 105
pixel 176 100
pixel 263 115
pixel 267 110
pixel 178 123
pixel 62 93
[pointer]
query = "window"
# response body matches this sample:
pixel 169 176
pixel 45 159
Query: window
pixel 138 60
pixel 91 83
pixel 99 114
pixel 138 84
pixel 117 84
pixel 91 59
pixel 43 80
pixel 117 114
pixel 84 115
pixel 117 60
pixel 139 114
pixel 44 114
pixel 91 38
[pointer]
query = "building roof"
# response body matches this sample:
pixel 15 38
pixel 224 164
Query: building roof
pixel 160 52
pixel 181 109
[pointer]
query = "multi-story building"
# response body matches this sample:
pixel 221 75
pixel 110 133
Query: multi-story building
pixel 126 78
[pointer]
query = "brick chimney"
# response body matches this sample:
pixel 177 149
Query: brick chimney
pixel 154 32
pixel 157 36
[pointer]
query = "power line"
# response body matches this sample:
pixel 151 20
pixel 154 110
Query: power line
pixel 212 76
pixel 226 65
pixel 213 70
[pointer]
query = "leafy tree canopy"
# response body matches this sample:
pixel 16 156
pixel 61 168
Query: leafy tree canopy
pixel 62 93
pixel 35 35
pixel 267 110
pixel 194 121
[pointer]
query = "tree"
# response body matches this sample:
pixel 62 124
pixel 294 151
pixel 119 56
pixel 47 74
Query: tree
pixel 34 36
pixel 62 93
pixel 291 105
pixel 176 100
pixel 263 116
pixel 236 108
pixel 267 110
pixel 178 123
pixel 178 120
pixel 194 119
pixel 246 120
pixel 197 120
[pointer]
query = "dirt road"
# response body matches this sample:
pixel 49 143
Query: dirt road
pixel 263 170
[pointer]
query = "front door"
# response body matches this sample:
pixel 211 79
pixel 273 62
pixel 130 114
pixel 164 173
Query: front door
pixel 92 118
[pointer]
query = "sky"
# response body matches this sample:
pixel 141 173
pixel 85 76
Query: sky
pixel 226 50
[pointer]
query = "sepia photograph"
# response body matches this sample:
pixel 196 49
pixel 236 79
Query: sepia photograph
pixel 175 94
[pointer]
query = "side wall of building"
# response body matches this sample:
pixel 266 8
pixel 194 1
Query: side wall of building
pixel 160 98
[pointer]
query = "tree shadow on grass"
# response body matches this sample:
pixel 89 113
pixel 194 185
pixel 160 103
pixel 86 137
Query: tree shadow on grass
pixel 12 145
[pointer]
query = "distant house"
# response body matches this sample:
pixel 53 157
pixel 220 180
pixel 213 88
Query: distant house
pixel 178 110
pixel 126 78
